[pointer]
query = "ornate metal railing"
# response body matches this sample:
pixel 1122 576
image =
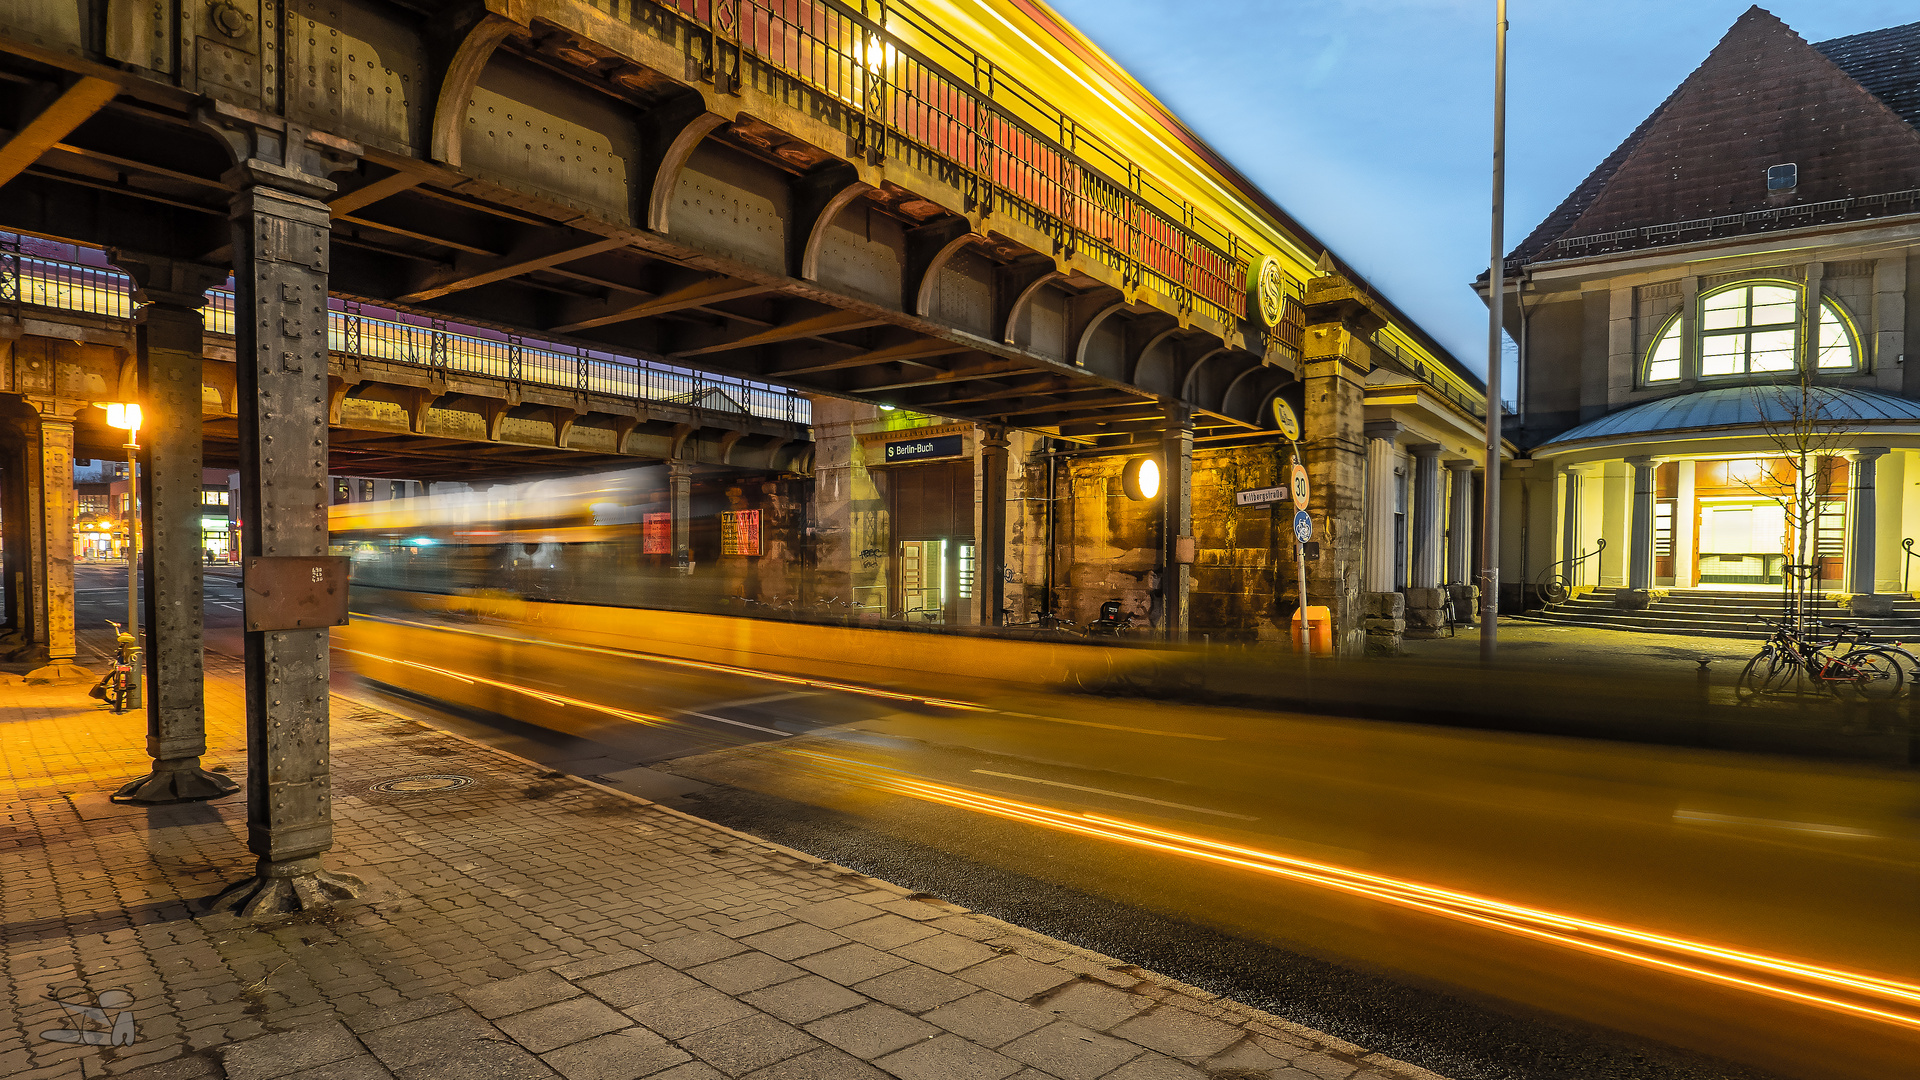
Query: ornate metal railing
pixel 1554 586
pixel 28 280
pixel 1430 373
pixel 899 85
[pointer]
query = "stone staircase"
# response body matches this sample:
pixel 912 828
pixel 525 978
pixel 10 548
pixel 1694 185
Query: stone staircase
pixel 1716 613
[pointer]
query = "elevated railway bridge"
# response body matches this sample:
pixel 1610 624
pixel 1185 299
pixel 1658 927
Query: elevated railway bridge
pixel 961 210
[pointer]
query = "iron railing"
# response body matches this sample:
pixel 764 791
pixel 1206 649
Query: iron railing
pixel 899 85
pixel 28 280
pixel 1431 373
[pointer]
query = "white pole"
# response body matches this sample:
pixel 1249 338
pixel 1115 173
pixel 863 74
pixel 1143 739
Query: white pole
pixel 1496 294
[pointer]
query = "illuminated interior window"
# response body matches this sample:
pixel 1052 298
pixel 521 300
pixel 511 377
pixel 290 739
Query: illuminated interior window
pixel 1838 349
pixel 1748 329
pixel 1663 360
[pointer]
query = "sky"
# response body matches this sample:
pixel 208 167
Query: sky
pixel 1370 121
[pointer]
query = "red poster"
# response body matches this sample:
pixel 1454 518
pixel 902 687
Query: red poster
pixel 659 534
pixel 740 532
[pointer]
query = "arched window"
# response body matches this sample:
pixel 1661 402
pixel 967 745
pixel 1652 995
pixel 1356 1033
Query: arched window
pixel 1753 328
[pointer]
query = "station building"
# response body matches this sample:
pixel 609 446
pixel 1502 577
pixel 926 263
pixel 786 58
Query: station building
pixel 1726 297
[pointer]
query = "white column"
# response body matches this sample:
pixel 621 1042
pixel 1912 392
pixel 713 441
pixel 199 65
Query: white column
pixel 1379 505
pixel 1891 487
pixel 1863 527
pixel 1640 529
pixel 1616 490
pixel 1571 513
pixel 1460 522
pixel 1426 516
pixel 1685 514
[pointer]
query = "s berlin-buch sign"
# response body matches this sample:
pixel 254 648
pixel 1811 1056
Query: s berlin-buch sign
pixel 940 446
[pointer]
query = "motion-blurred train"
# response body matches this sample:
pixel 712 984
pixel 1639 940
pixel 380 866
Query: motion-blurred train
pixel 603 539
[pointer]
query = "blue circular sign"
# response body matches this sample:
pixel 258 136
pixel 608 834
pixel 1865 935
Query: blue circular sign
pixel 1302 526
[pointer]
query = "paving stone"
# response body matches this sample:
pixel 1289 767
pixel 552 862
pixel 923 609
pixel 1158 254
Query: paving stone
pixel 508 996
pixel 272 1056
pixel 1015 976
pixel 694 949
pixel 1251 1055
pixel 620 1055
pixel 945 952
pixel 807 998
pixel 988 1018
pixel 589 966
pixel 1093 1005
pixel 915 989
pixel 1070 1051
pixel 553 1026
pixel 401 1012
pixel 872 1030
pixel 1324 1066
pixel 745 972
pixel 745 1045
pixel 1179 1033
pixel 693 1011
pixel 757 924
pixel 434 1037
pixel 834 913
pixel 795 940
pixel 887 932
pixel 491 1061
pixel 851 964
pixel 692 1070
pixel 1156 1067
pixel 632 986
pixel 825 1063
pixel 948 1057
pixel 364 1067
pixel 196 1067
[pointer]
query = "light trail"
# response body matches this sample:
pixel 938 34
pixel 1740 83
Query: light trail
pixel 1751 971
pixel 698 665
pixel 543 695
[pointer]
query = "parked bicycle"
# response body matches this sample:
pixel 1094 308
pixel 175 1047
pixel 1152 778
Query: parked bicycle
pixel 1112 621
pixel 1790 661
pixel 117 686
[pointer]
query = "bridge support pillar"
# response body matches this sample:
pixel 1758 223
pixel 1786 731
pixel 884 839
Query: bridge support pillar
pixel 680 505
pixel 1341 320
pixel 168 340
pixel 52 559
pixel 280 260
pixel 990 557
pixel 1176 522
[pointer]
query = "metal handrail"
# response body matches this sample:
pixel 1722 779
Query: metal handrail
pixel 34 281
pixel 998 139
pixel 1552 587
pixel 1906 565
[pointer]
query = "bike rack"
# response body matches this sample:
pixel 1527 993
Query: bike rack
pixel 1552 586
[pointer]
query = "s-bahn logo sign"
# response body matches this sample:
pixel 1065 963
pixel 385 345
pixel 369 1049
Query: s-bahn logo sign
pixel 1267 294
pixel 943 446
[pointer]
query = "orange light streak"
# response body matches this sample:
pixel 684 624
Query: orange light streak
pixel 1508 918
pixel 698 665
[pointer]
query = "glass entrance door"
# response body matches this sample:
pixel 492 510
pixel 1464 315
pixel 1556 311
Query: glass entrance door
pixel 1742 542
pixel 923 581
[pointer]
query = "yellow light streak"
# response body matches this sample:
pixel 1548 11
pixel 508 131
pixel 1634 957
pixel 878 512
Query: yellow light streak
pixel 543 695
pixel 1626 944
pixel 698 665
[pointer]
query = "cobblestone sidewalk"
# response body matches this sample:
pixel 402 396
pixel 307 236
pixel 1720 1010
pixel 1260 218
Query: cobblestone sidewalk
pixel 526 924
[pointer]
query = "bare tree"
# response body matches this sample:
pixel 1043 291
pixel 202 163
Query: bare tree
pixel 1803 422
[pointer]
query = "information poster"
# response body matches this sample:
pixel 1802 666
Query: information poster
pixel 740 532
pixel 659 534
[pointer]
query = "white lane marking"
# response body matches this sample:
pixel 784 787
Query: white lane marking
pixel 763 699
pixel 1115 727
pixel 1703 817
pixel 735 723
pixel 1113 794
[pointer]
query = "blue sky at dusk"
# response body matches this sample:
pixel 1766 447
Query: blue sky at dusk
pixel 1370 120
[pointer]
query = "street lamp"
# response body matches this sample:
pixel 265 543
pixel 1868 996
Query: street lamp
pixel 126 416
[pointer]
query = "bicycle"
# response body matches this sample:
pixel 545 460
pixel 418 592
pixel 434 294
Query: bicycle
pixel 116 687
pixel 1788 657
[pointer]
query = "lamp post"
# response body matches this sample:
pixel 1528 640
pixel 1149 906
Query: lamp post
pixel 127 417
pixel 1496 295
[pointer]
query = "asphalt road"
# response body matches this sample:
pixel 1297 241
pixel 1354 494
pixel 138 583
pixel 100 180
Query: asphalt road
pixel 1278 859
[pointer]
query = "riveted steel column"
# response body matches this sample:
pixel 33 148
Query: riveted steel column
pixel 53 562
pixel 280 259
pixel 1176 522
pixel 168 340
pixel 990 556
pixel 680 504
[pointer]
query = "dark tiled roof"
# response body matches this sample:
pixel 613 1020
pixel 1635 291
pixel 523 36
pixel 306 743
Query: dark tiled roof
pixel 1886 62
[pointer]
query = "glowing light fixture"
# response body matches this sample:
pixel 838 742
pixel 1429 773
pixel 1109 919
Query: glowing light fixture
pixel 1141 479
pixel 123 415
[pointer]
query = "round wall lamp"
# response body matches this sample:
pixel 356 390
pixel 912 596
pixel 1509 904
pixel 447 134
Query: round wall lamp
pixel 1141 478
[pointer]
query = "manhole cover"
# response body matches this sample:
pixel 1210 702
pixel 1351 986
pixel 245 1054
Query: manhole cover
pixel 421 785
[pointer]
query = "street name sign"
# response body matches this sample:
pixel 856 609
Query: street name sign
pixel 1260 496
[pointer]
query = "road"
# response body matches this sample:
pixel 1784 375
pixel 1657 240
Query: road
pixel 1488 906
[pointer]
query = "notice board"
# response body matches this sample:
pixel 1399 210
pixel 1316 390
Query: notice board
pixel 740 532
pixel 659 534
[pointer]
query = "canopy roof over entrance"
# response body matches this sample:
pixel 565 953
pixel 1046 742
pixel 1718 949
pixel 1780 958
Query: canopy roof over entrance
pixel 1731 407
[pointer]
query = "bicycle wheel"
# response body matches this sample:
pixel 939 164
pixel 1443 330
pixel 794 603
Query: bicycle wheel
pixel 1757 677
pixel 1876 674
